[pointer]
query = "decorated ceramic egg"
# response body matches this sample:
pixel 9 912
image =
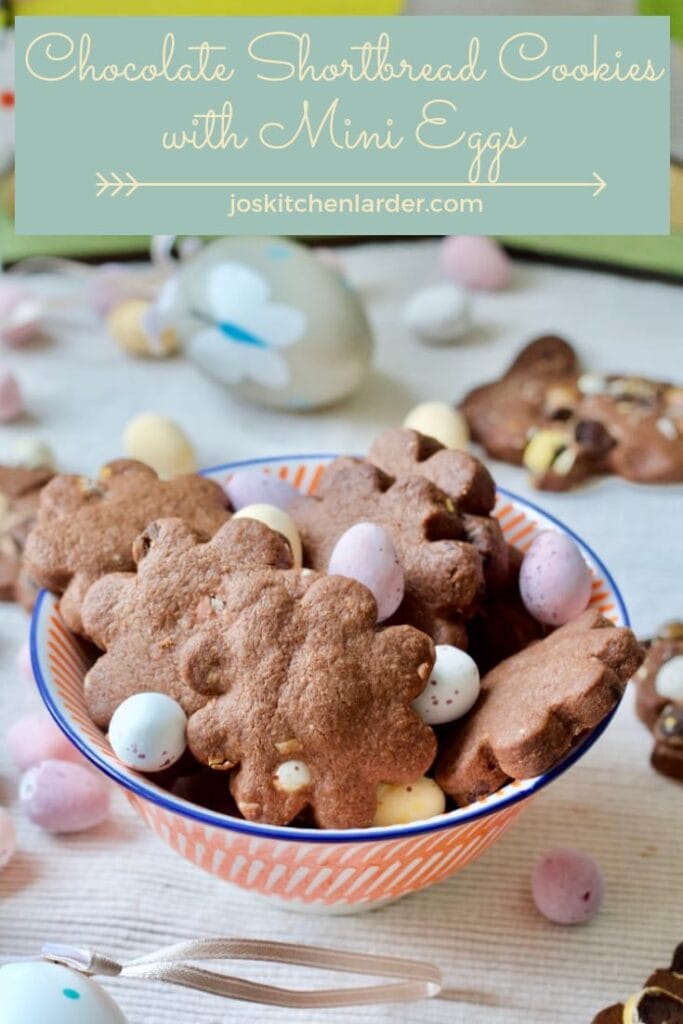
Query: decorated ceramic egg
pixel 271 321
pixel 39 991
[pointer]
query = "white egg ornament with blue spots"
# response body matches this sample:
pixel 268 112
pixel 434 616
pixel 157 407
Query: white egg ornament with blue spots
pixel 37 992
pixel 268 319
pixel 148 732
pixel 452 689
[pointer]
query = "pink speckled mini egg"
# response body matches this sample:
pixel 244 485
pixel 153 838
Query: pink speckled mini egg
pixel 34 738
pixel 567 886
pixel 554 581
pixel 475 261
pixel 63 797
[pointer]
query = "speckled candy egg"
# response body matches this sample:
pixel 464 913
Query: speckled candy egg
pixel 400 805
pixel 35 738
pixel 452 689
pixel 366 553
pixel 669 680
pixel 278 520
pixel 271 321
pixel 147 732
pixel 439 314
pixel 132 327
pixel 160 443
pixel 63 797
pixel 441 421
pixel 554 581
pixel 45 992
pixel 8 841
pixel 567 886
pixel 476 261
pixel 252 487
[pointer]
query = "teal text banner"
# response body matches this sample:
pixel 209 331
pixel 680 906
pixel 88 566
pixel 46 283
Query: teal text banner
pixel 329 126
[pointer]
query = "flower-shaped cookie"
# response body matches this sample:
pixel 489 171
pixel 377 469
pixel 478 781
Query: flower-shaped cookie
pixel 567 425
pixel 19 496
pixel 86 528
pixel 141 619
pixel 444 571
pixel 309 700
pixel 533 706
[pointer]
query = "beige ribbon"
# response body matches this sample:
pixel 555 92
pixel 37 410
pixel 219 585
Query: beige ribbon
pixel 413 980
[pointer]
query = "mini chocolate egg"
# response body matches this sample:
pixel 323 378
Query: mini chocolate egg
pixel 440 421
pixel 252 487
pixel 131 326
pixel 267 318
pixel 440 314
pixel 160 443
pixel 280 521
pixel 8 839
pixel 32 453
pixel 554 581
pixel 291 776
pixel 567 886
pixel 36 737
pixel 366 553
pixel 400 805
pixel 40 992
pixel 63 797
pixel 11 401
pixel 669 680
pixel 21 314
pixel 147 732
pixel 452 689
pixel 476 261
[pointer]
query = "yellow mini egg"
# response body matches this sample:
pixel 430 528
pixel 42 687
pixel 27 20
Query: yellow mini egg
pixel 400 805
pixel 542 450
pixel 280 521
pixel 160 443
pixel 439 420
pixel 128 325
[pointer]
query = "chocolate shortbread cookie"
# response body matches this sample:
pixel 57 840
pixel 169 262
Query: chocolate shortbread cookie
pixel 659 1002
pixel 19 496
pixel 533 706
pixel 141 619
pixel 437 537
pixel 307 698
pixel 86 528
pixel 566 425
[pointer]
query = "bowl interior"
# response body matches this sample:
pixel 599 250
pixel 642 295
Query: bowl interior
pixel 60 664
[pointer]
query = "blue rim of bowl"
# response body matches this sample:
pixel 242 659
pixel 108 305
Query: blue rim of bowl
pixel 286 833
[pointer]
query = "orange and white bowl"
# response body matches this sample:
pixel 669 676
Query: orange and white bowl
pixel 307 869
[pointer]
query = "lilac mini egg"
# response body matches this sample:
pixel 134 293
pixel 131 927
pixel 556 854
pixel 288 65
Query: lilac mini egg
pixel 567 886
pixel 475 261
pixel 252 487
pixel 63 797
pixel 554 581
pixel 366 553
pixel 35 738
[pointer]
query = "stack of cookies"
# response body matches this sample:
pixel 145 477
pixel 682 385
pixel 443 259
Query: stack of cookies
pixel 314 680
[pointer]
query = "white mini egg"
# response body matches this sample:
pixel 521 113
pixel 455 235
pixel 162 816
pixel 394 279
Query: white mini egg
pixel 669 680
pixel 290 776
pixel 147 732
pixel 160 443
pixel 452 689
pixel 440 421
pixel 280 521
pixel 31 453
pixel 400 805
pixel 440 314
pixel 34 992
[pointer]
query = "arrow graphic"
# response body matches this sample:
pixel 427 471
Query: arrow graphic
pixel 115 184
pixel 125 186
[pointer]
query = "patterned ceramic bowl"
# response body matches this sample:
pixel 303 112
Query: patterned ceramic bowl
pixel 329 871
